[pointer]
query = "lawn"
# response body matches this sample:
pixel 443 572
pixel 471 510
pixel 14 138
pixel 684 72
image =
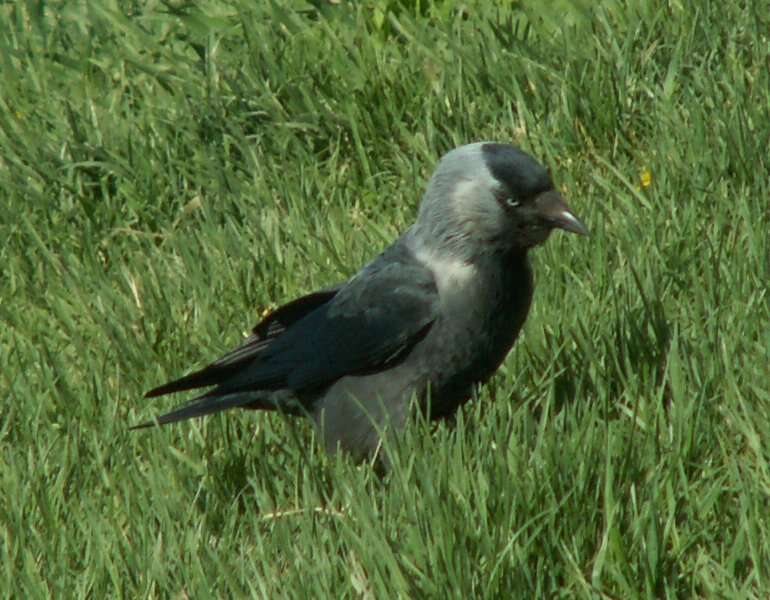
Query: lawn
pixel 169 171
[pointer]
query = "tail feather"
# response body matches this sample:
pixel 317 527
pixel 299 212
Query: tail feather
pixel 211 375
pixel 206 405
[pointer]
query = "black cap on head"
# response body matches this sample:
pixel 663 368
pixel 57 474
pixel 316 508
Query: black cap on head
pixel 521 174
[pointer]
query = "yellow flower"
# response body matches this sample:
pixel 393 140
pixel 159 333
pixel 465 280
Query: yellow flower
pixel 645 178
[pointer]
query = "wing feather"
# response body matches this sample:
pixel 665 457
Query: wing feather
pixel 365 325
pixel 262 336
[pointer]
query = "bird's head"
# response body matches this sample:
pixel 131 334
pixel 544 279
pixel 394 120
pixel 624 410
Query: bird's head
pixel 490 197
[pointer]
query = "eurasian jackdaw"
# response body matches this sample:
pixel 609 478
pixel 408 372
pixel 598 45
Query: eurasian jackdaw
pixel 429 319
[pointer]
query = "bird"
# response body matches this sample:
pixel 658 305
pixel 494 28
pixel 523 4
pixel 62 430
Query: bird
pixel 423 324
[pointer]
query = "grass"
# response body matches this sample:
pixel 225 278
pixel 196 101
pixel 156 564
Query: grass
pixel 168 171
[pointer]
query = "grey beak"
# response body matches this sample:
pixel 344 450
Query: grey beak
pixel 554 210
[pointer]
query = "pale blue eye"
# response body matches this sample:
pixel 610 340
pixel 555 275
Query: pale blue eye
pixel 512 202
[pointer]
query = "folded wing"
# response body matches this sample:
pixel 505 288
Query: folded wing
pixel 263 334
pixel 365 325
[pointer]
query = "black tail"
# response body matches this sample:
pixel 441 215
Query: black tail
pixel 208 376
pixel 205 405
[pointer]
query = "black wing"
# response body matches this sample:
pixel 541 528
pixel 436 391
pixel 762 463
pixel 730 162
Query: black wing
pixel 369 324
pixel 364 325
pixel 262 335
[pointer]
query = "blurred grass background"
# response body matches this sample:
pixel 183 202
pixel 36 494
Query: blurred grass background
pixel 170 169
